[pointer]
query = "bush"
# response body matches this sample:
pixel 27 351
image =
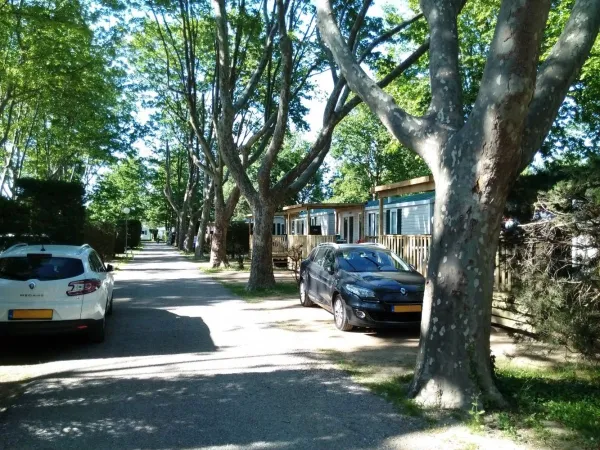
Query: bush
pixel 559 268
pixel 134 235
pixel 238 242
pixel 101 236
pixel 54 209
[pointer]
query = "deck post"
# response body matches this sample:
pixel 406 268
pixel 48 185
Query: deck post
pixel 381 220
pixel 307 221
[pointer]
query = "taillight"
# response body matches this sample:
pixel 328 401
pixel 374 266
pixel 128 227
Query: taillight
pixel 82 287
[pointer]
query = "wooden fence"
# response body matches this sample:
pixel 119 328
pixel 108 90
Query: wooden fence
pixel 282 243
pixel 414 249
pixel 308 242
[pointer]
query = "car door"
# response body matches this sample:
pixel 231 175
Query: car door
pixel 100 272
pixel 327 278
pixel 323 277
pixel 313 273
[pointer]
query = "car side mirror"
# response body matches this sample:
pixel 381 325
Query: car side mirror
pixel 109 268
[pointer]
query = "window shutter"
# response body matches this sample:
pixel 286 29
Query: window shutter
pixel 399 221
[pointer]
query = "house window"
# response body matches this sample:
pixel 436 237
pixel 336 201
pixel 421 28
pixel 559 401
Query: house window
pixel 373 224
pixel 393 218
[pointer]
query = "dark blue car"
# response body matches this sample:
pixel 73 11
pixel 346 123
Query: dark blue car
pixel 362 285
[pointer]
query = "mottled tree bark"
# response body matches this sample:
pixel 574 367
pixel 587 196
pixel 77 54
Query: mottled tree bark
pixel 474 163
pixel 206 209
pixel 261 268
pixel 224 210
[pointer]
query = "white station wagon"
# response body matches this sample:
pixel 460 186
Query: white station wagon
pixel 54 289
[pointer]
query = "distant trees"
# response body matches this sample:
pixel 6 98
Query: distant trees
pixel 62 109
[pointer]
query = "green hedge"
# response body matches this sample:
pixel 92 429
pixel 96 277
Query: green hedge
pixel 134 235
pixel 101 236
pixel 43 211
pixel 52 208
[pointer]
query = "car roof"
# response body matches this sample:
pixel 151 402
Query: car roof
pixel 73 251
pixel 356 246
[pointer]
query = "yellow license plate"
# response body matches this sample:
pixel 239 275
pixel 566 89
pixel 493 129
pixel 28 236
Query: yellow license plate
pixel 407 308
pixel 30 314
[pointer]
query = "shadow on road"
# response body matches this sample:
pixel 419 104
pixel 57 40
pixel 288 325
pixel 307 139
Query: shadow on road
pixel 132 331
pixel 241 410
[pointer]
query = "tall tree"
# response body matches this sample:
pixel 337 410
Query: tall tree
pixel 299 55
pixel 475 160
pixel 62 108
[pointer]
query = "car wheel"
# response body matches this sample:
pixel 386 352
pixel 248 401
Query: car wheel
pixel 304 297
pixel 339 314
pixel 109 310
pixel 97 331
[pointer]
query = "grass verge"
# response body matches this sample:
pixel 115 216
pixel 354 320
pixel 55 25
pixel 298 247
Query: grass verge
pixel 207 269
pixel 393 389
pixel 561 405
pixel 281 289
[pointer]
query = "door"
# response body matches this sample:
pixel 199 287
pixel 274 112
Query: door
pixel 351 230
pixel 325 279
pixel 345 229
pixel 313 274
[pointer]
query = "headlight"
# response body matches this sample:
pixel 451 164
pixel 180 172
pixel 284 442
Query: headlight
pixel 360 291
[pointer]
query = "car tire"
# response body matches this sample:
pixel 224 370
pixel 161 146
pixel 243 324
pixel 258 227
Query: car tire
pixel 304 297
pixel 109 309
pixel 97 331
pixel 340 316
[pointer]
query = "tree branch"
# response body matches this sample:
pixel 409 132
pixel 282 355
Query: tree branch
pixel 510 72
pixel 444 74
pixel 388 35
pixel 407 129
pixel 558 72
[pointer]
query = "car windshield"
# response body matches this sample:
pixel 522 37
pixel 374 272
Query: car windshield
pixel 371 260
pixel 39 267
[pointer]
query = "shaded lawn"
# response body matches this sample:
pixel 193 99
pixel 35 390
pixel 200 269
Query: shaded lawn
pixel 568 395
pixel 561 405
pixel 283 289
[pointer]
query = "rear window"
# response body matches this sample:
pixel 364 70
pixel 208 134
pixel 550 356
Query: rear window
pixel 40 267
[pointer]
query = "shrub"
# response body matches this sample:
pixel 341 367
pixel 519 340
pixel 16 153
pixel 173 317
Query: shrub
pixel 238 243
pixel 559 268
pixel 54 208
pixel 134 235
pixel 101 236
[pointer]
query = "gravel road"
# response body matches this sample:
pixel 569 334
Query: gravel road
pixel 187 365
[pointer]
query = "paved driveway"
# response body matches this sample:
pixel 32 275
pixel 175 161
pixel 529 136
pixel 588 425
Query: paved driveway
pixel 187 365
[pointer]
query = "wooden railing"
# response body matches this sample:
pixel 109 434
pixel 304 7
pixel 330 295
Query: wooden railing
pixel 280 246
pixel 282 243
pixel 414 249
pixel 308 242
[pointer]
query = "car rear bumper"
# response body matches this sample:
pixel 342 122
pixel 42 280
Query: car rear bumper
pixel 41 327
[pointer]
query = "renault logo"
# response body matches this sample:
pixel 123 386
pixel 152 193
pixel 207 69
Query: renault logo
pixel 32 285
pixel 403 291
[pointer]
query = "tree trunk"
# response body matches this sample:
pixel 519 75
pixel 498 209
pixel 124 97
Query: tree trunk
pixel 453 366
pixel 199 251
pixel 188 243
pixel 181 230
pixel 261 268
pixel 218 243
